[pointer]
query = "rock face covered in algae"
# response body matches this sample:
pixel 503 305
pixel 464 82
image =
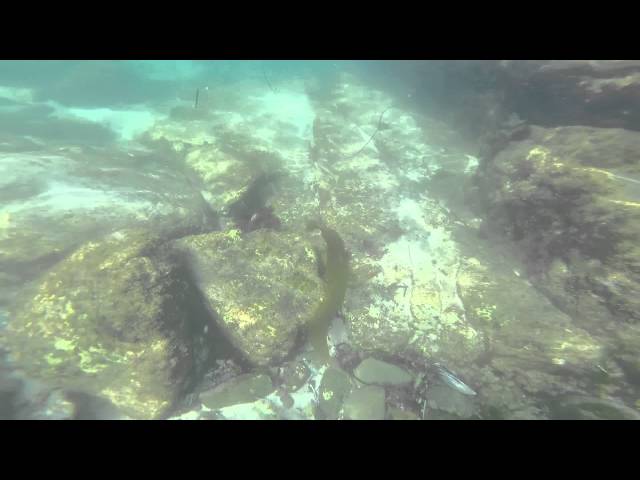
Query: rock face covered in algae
pixel 262 288
pixel 112 320
pixel 570 197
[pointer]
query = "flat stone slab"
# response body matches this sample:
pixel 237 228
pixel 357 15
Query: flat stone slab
pixel 372 371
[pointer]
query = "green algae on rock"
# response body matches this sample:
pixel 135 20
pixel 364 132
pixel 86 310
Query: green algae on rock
pixel 570 197
pixel 262 288
pixel 113 320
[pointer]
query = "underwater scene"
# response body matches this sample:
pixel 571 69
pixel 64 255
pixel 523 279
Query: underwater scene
pixel 320 240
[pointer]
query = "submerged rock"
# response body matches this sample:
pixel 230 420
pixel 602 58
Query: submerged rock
pixel 10 388
pixel 532 349
pixel 582 407
pixel 382 373
pixel 445 399
pixel 475 94
pixel 226 178
pixel 416 288
pixel 570 198
pixel 259 410
pixel 116 320
pixel 370 166
pixel 335 386
pixel 262 288
pixel 626 353
pixel 365 403
pixel 243 389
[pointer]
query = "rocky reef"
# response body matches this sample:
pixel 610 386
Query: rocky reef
pixel 569 197
pixel 508 259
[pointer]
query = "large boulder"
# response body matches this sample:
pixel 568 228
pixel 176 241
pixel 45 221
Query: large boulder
pixel 262 288
pixel 567 199
pixel 117 319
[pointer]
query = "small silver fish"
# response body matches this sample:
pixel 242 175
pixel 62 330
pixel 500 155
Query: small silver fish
pixel 453 381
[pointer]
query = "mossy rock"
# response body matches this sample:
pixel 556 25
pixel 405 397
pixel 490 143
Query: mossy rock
pixel 113 320
pixel 263 288
pixel 573 193
pixel 335 386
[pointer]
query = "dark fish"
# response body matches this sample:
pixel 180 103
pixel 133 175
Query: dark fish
pixel 195 105
pixel 454 382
